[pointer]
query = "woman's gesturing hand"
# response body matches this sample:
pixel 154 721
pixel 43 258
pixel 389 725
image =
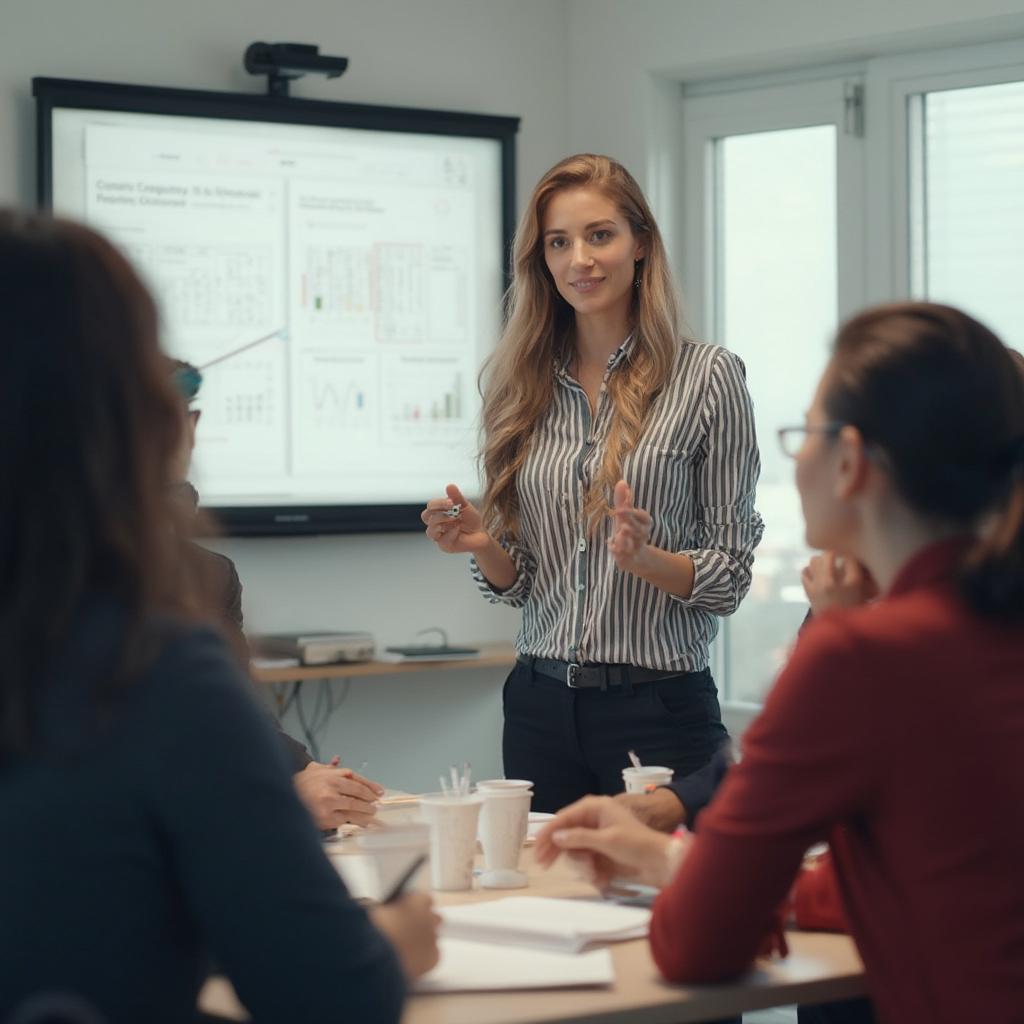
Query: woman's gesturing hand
pixel 606 838
pixel 461 534
pixel 631 529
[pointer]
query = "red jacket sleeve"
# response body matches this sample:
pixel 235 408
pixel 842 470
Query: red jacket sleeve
pixel 810 761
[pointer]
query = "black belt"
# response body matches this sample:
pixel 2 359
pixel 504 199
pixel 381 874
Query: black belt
pixel 580 677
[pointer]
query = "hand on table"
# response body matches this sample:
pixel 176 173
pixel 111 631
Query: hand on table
pixel 631 529
pixel 603 834
pixel 411 925
pixel 835 581
pixel 661 810
pixel 335 796
pixel 461 535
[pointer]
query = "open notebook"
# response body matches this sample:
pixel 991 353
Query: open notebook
pixel 484 967
pixel 537 922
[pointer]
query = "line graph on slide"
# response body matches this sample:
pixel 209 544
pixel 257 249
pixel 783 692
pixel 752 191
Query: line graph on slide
pixel 337 405
pixel 335 396
pixel 334 409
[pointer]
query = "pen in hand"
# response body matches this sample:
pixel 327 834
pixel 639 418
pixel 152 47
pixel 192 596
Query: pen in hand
pixel 398 889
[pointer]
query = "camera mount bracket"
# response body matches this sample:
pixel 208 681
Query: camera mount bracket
pixel 283 62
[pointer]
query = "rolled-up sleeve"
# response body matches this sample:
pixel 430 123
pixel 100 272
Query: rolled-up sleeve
pixel 519 592
pixel 728 527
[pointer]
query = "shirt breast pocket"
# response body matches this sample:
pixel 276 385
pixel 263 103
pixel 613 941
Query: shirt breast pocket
pixel 653 461
pixel 661 478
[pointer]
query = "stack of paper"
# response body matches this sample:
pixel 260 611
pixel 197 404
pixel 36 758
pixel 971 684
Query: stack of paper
pixel 541 923
pixel 484 967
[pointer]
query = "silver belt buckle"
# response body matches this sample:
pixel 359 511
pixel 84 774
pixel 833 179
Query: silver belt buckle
pixel 570 676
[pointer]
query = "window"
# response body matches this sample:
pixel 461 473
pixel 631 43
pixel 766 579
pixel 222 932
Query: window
pixel 812 194
pixel 967 202
pixel 771 293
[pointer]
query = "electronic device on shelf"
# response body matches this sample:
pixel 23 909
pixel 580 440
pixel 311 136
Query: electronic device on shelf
pixel 429 652
pixel 317 648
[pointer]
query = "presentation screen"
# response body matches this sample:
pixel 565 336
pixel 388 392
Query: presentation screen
pixel 335 271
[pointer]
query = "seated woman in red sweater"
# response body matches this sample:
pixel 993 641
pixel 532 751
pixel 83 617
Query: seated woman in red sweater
pixel 895 730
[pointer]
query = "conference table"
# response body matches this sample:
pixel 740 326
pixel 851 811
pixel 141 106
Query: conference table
pixel 820 967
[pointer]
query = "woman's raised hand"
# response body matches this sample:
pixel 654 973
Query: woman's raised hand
pixel 835 581
pixel 461 534
pixel 631 529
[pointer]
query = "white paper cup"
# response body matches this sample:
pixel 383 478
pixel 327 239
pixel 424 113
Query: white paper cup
pixel 391 852
pixel 638 779
pixel 503 823
pixel 453 822
pixel 503 784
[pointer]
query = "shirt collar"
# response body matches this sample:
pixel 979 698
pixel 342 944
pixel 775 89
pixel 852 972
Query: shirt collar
pixel 931 564
pixel 620 355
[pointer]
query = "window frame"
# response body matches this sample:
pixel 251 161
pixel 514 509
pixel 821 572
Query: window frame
pixel 874 183
pixel 772 106
pixel 890 85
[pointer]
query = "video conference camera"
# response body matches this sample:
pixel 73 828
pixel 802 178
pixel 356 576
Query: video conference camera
pixel 281 62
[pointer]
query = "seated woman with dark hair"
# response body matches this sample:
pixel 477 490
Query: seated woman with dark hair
pixel 895 730
pixel 147 811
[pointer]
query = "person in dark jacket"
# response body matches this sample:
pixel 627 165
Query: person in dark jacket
pixel 148 816
pixel 332 794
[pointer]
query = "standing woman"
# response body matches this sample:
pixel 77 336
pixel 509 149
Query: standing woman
pixel 618 511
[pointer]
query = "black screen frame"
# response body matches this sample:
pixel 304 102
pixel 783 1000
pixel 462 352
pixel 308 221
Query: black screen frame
pixel 57 93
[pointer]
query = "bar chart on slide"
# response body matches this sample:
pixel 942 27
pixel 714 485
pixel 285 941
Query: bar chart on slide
pixel 425 397
pixel 442 407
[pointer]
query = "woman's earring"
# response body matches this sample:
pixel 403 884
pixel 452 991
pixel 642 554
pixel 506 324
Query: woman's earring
pixel 637 273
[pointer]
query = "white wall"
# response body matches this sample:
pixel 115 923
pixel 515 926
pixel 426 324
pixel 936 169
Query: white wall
pixel 627 60
pixel 487 56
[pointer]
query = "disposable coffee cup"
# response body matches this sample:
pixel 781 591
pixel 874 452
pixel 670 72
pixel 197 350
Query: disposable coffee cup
pixel 503 784
pixel 503 823
pixel 390 851
pixel 453 827
pixel 646 778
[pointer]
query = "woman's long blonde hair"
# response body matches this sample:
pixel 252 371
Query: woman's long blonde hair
pixel 517 381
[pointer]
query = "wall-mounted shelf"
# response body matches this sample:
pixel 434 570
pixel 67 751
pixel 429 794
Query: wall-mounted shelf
pixel 491 656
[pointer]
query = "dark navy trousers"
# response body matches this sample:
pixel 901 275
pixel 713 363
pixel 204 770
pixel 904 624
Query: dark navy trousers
pixel 572 742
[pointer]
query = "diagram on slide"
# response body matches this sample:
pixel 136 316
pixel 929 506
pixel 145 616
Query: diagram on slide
pixel 341 287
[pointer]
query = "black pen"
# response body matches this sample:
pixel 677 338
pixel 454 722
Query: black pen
pixel 399 886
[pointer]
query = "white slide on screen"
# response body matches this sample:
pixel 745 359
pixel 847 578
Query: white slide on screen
pixel 365 266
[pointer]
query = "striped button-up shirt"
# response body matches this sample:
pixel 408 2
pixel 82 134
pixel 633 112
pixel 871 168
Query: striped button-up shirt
pixel 694 469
